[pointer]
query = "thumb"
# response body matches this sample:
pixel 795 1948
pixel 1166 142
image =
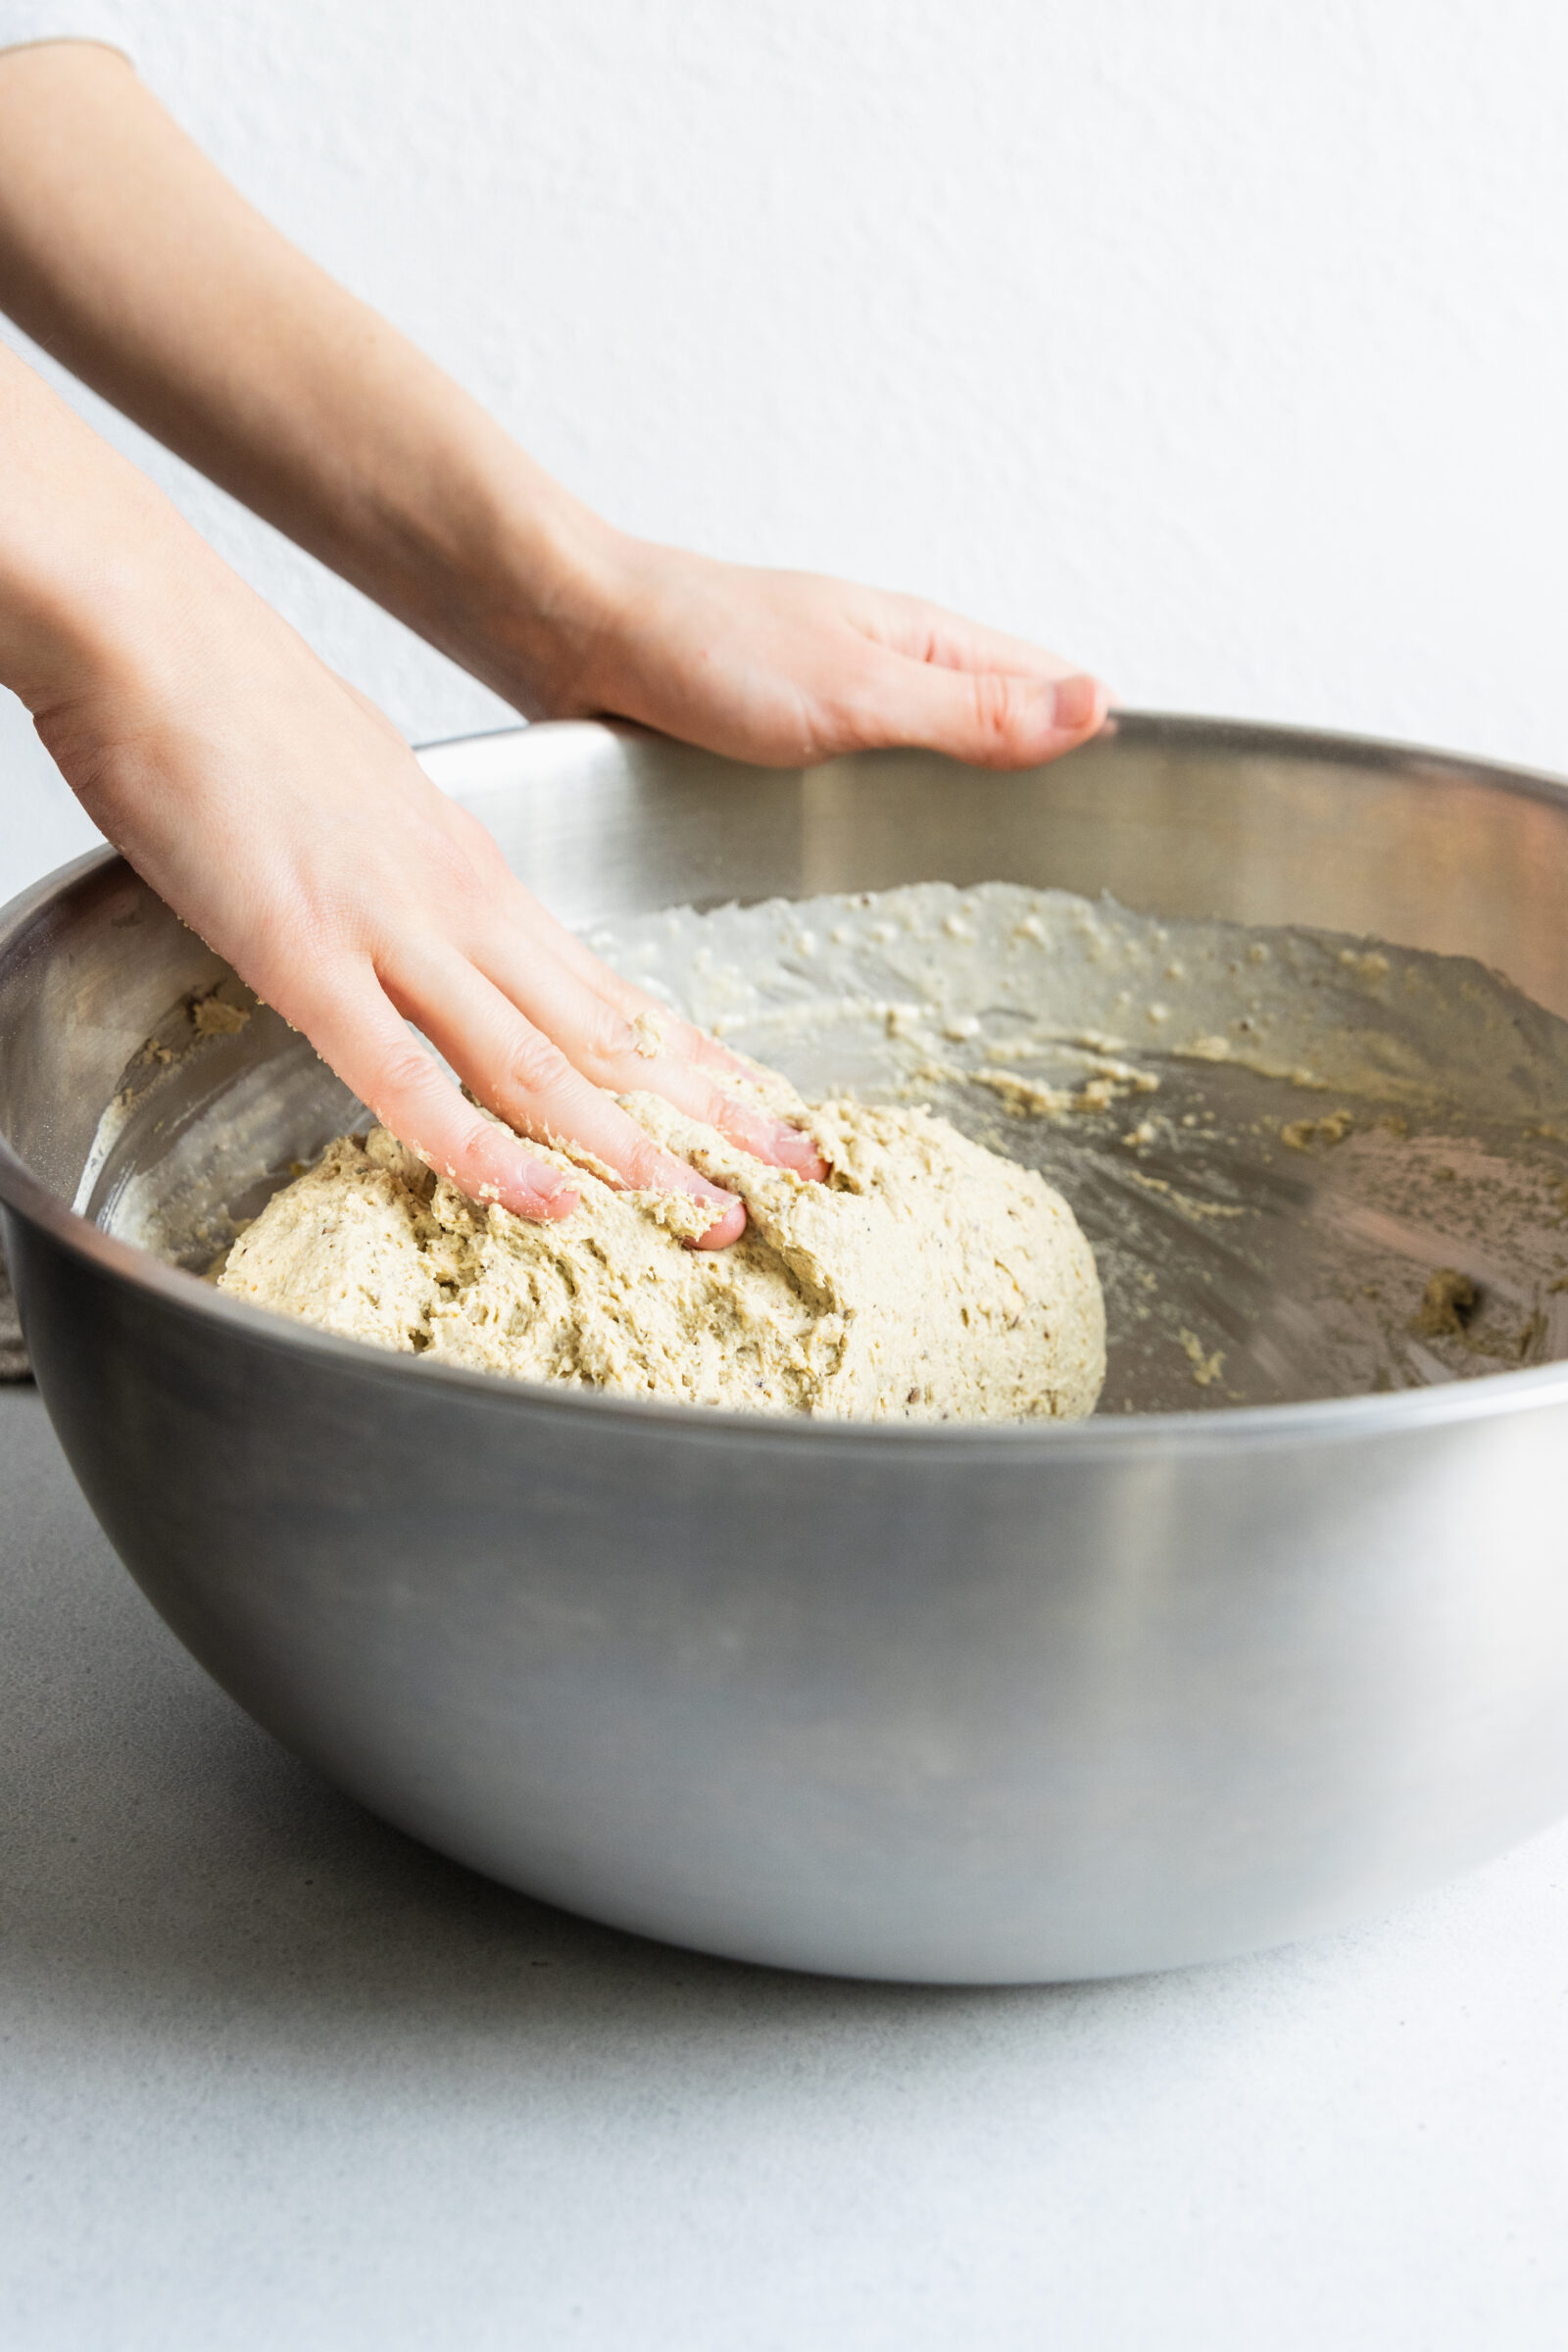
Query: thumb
pixel 989 717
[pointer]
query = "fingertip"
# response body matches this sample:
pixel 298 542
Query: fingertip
pixel 725 1229
pixel 794 1149
pixel 1001 720
pixel 1059 715
pixel 1078 704
pixel 551 1206
pixel 776 1143
pixel 529 1188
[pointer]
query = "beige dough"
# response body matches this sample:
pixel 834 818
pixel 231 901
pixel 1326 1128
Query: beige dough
pixel 927 1280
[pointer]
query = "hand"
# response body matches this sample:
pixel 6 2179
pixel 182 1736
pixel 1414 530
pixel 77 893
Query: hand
pixel 239 353
pixel 285 818
pixel 782 667
pixel 278 813
pixel 287 821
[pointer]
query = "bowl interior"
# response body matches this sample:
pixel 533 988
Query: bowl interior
pixel 139 1082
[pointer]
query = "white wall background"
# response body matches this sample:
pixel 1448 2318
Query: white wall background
pixel 1220 343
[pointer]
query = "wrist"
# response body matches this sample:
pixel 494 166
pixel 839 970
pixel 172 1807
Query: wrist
pixel 84 628
pixel 117 645
pixel 525 589
pixel 140 648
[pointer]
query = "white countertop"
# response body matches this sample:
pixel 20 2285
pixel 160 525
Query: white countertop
pixel 270 2076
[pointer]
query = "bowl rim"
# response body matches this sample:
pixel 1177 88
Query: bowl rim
pixel 1202 1430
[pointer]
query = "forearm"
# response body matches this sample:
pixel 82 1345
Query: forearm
pixel 100 579
pixel 132 260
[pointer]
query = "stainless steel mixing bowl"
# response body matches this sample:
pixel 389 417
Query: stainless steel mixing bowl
pixel 943 1703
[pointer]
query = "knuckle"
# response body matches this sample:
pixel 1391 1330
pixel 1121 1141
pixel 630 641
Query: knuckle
pixel 859 722
pixel 996 710
pixel 621 997
pixel 647 1169
pixel 721 1110
pixel 606 1041
pixel 433 893
pixel 535 1065
pixel 406 1069
pixel 481 1144
pixel 470 840
pixel 448 863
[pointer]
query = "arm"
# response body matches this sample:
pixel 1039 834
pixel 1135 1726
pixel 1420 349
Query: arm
pixel 280 814
pixel 294 829
pixel 127 255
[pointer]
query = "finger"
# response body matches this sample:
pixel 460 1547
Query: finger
pixel 523 1075
pixel 361 1035
pixel 779 1143
pixel 926 633
pixel 681 1038
pixel 640 1053
pixel 991 718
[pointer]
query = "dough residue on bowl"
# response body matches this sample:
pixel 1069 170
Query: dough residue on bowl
pixel 928 1279
pixel 1271 1136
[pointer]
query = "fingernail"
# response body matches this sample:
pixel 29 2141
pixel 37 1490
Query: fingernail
pixel 539 1190
pixel 1075 703
pixel 779 1142
pixel 717 1235
pixel 793 1148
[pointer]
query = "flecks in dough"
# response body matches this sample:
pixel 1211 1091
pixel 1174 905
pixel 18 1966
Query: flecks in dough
pixel 1446 1305
pixel 927 1280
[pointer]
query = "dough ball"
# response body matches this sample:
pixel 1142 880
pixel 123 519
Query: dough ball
pixel 927 1280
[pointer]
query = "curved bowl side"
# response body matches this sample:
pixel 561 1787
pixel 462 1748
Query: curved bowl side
pixel 1007 1717
pixel 941 1705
